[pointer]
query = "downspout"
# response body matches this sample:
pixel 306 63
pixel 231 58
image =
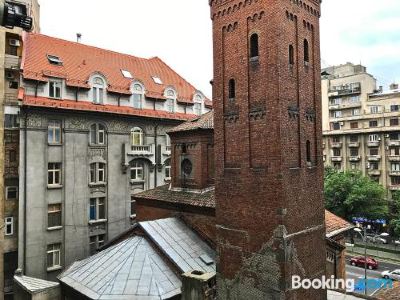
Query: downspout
pixel 119 99
pixel 36 88
pixel 156 155
pixel 25 185
pixel 76 94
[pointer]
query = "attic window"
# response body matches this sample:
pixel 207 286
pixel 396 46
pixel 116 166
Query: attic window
pixel 55 60
pixel 126 74
pixel 157 80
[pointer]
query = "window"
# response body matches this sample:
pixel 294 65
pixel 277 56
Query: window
pixel 53 256
pixel 374 165
pixel 254 46
pixel 394 136
pixel 137 171
pixel 54 174
pixel 355 112
pixel 96 242
pixel 395 180
pixel 54 215
pixel 9 226
pixel 97 210
pixel 54 60
pixel 167 169
pixel 97 134
pixel 354 99
pixel 197 109
pixel 395 151
pixel 55 89
pixel 306 52
pixel 232 89
pixel 54 132
pixel 394 107
pixel 337 165
pixel 394 122
pixel 97 173
pixel 353 152
pixel 374 151
pixel 13 85
pixel 137 136
pixel 336 152
pixel 354 166
pixel 373 123
pixel 98 90
pixel 171 105
pixel 291 55
pixel 11 121
pixel 186 167
pixel 374 109
pixel 11 192
pixel 395 167
pixel 337 114
pixel 373 137
pixel 126 74
pixel 353 139
pixel 308 151
pixel 133 206
pixel 335 139
pixel 336 101
pixel 335 126
pixel 12 155
pixel 353 125
pixel 137 96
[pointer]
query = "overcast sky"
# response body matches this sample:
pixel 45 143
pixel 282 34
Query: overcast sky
pixel 179 32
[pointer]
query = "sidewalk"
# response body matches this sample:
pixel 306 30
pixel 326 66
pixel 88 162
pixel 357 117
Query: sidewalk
pixel 391 257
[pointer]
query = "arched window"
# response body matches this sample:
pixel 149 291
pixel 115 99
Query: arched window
pixel 137 170
pixel 254 45
pixel 97 134
pixel 138 96
pixel 97 173
pixel 308 151
pixel 137 136
pixel 232 89
pixel 98 90
pixel 306 52
pixel 171 97
pixel 291 55
pixel 167 168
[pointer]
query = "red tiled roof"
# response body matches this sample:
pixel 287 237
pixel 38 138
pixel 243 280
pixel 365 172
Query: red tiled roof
pixel 335 224
pixel 205 121
pixel 89 106
pixel 81 61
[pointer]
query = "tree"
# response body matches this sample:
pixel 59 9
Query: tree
pixel 395 214
pixel 350 194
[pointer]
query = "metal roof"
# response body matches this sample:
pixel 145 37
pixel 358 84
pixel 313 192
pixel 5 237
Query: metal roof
pixel 34 285
pixel 181 245
pixel 131 269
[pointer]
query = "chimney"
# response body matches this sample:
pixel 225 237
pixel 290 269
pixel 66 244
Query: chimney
pixel 197 285
pixel 78 37
pixel 394 86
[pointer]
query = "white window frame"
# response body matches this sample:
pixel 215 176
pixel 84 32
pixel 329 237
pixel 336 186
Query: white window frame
pixel 100 134
pixel 355 110
pixel 51 210
pixel 57 168
pixel 373 137
pixel 374 109
pixel 55 85
pixel 133 202
pixel 54 126
pixel 9 226
pixel 137 169
pixel 167 172
pixel 8 188
pixel 137 132
pixel 395 167
pixel 53 249
pixel 99 201
pixel 97 171
pixel 137 91
pixel 98 90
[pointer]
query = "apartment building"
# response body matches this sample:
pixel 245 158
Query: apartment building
pixel 93 133
pixel 361 124
pixel 11 46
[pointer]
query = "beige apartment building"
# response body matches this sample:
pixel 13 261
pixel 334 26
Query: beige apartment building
pixel 361 124
pixel 11 46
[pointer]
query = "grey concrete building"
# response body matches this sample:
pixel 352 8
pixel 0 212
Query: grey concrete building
pixel 93 133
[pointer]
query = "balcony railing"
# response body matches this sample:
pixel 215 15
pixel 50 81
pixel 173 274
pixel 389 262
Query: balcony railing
pixel 355 158
pixel 394 157
pixel 394 187
pixel 336 144
pixel 141 150
pixel 336 158
pixel 373 143
pixel 374 157
pixel 354 144
pixel 393 143
pixel 374 172
pixel 394 173
pixel 12 62
pixel 11 99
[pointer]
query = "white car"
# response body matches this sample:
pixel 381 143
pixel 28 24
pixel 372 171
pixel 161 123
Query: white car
pixel 395 274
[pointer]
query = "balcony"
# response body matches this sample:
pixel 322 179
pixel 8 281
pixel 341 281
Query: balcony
pixel 355 158
pixel 12 62
pixel 355 89
pixel 393 143
pixel 374 172
pixel 394 173
pixel 394 157
pixel 394 187
pixel 373 143
pixel 354 144
pixel 167 151
pixel 336 158
pixel 374 157
pixel 142 150
pixel 336 144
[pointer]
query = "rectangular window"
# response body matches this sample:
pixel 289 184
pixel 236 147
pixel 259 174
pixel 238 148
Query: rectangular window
pixel 374 165
pixel 336 152
pixel 394 136
pixel 374 109
pixel 395 180
pixel 394 122
pixel 54 132
pixel 96 242
pixel 12 156
pixel 337 165
pixel 353 125
pixel 137 101
pixel 9 226
pixel 55 89
pixel 197 109
pixel 353 139
pixel 97 173
pixel 133 206
pixel 98 95
pixel 11 192
pixel 335 139
pixel 53 256
pixel 167 172
pixel 394 107
pixel 395 167
pixel 335 126
pixel 97 209
pixel 11 121
pixel 353 152
pixel 54 215
pixel 170 105
pixel 374 151
pixel 355 112
pixel 373 137
pixel 13 85
pixel 54 174
pixel 395 151
pixel 373 123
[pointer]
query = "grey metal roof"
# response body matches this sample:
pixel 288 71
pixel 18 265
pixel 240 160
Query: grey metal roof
pixel 131 269
pixel 34 285
pixel 181 245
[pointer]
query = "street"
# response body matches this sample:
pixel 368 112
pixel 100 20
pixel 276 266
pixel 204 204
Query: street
pixel 358 272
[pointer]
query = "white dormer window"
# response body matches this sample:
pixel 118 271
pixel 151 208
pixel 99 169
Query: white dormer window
pixel 138 96
pixel 157 80
pixel 55 87
pixel 198 105
pixel 126 74
pixel 98 90
pixel 171 99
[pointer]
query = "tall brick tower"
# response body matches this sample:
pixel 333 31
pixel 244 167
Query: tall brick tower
pixel 270 212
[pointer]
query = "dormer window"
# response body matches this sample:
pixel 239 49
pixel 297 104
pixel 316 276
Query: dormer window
pixel 138 96
pixel 55 89
pixel 157 79
pixel 126 74
pixel 197 108
pixel 98 90
pixel 170 103
pixel 54 60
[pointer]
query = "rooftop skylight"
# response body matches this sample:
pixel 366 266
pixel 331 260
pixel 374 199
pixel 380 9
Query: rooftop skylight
pixel 55 60
pixel 157 80
pixel 126 74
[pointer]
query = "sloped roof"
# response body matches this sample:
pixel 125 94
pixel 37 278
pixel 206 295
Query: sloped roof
pixel 34 285
pixel 335 225
pixel 205 121
pixel 131 269
pixel 81 61
pixel 181 245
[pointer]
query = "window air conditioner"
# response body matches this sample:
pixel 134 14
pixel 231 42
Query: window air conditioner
pixel 10 75
pixel 14 42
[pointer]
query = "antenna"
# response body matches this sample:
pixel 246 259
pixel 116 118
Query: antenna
pixel 78 37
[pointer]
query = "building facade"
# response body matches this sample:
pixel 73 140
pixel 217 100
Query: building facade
pixel 11 46
pixel 93 133
pixel 267 118
pixel 361 125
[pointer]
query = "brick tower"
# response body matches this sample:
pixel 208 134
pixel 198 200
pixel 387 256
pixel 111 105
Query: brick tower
pixel 270 212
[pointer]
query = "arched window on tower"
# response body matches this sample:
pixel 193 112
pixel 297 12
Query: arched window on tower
pixel 308 152
pixel 291 55
pixel 254 46
pixel 232 89
pixel 306 52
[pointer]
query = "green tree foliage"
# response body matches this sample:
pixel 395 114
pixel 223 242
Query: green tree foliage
pixel 349 194
pixel 395 214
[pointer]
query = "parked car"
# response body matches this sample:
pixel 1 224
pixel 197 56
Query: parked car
pixel 397 243
pixel 359 261
pixel 376 239
pixel 395 274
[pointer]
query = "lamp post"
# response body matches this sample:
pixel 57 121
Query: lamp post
pixel 364 238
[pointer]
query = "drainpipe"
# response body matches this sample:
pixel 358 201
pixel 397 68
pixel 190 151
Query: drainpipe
pixel 36 88
pixel 25 185
pixel 156 155
pixel 119 99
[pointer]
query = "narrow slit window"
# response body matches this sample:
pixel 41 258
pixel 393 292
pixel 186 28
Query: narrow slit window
pixel 306 52
pixel 308 151
pixel 291 55
pixel 254 46
pixel 232 89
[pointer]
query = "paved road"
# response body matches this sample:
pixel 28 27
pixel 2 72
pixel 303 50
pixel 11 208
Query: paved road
pixel 358 272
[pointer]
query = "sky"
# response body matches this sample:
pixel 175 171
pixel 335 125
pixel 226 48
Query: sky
pixel 180 33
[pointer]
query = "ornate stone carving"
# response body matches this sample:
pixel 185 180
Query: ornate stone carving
pixel 77 124
pixel 35 121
